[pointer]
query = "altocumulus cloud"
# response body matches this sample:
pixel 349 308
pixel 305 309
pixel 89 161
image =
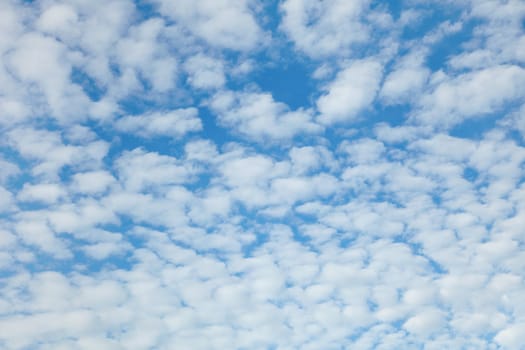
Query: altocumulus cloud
pixel 244 174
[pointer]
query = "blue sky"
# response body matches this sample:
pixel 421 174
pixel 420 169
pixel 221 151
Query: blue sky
pixel 244 174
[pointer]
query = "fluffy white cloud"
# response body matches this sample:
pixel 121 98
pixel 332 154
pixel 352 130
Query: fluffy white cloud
pixel 6 203
pixel 34 231
pixel 221 23
pixel 426 322
pixel 406 81
pixel 50 72
pixel 501 33
pixel 259 116
pixel 205 72
pixel 143 51
pixel 8 170
pixel 470 95
pixel 353 90
pixel 175 123
pixel 140 170
pixel 324 28
pixel 146 156
pixel 49 154
pixel 46 193
pixel 92 182
pixel 58 20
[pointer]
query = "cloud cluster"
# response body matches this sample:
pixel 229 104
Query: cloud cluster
pixel 160 189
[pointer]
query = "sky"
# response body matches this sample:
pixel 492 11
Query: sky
pixel 262 175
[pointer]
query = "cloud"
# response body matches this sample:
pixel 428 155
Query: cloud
pixel 34 231
pixel 406 81
pixel 8 170
pixel 470 95
pixel 175 123
pixel 143 50
pixel 58 20
pixel 139 170
pixel 425 323
pixel 226 24
pixel 92 182
pixel 510 336
pixel 205 72
pixel 259 116
pixel 6 203
pixel 321 29
pixel 49 154
pixel 502 34
pixel 51 72
pixel 151 153
pixel 353 90
pixel 46 193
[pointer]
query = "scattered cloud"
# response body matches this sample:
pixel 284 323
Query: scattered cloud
pixel 321 28
pixel 258 116
pixel 370 196
pixel 175 123
pixel 353 90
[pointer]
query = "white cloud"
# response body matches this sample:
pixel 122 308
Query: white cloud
pixel 259 116
pixel 498 40
pixel 140 170
pixel 406 81
pixel 103 250
pixel 36 232
pixel 6 200
pixel 511 337
pixel 353 90
pixel 425 323
pixel 8 170
pixel 91 182
pixel 308 159
pixel 201 150
pixel 49 154
pixel 44 193
pixel 221 23
pixel 516 121
pixel 205 72
pixel 262 226
pixel 11 24
pixel 66 101
pixel 175 123
pixel 59 20
pixel 470 95
pixel 324 28
pixel 389 134
pixel 363 151
pixel 143 50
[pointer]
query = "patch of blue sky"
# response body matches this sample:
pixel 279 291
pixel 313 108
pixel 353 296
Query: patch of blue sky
pixel 418 249
pixel 470 174
pixel 212 129
pixel 17 181
pixel 289 79
pixel 476 128
pixel 252 248
pixel 48 262
pixel 393 115
pixel 145 9
pixel 90 87
pixel 451 45
pixel 85 263
pixel 392 7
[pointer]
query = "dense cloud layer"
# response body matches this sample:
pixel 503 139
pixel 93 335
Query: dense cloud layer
pixel 242 174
